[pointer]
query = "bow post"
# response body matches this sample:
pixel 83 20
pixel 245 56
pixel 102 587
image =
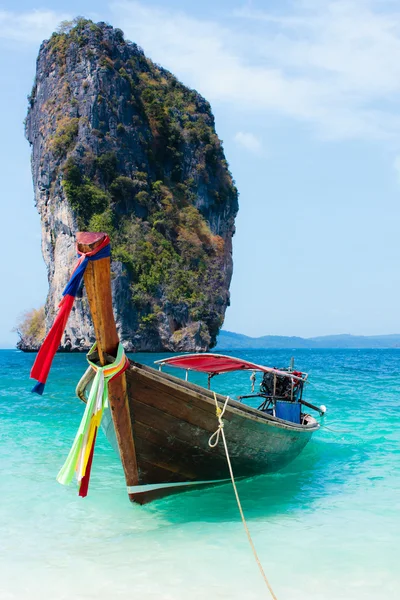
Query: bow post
pixel 97 279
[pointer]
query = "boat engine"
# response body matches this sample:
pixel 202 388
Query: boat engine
pixel 280 386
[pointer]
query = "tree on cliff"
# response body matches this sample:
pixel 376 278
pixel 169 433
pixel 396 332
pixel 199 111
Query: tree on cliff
pixel 31 329
pixel 120 145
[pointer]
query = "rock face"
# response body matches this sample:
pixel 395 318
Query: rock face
pixel 120 145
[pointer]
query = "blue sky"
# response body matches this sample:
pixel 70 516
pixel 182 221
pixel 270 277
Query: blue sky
pixel 306 97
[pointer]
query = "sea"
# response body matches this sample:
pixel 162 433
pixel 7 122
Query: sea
pixel 326 527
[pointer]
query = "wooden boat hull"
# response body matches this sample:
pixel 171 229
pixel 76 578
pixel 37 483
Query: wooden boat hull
pixel 172 421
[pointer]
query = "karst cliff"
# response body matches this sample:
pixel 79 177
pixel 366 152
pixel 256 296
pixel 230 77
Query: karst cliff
pixel 120 145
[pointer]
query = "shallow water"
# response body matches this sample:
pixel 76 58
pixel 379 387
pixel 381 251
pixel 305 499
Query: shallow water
pixel 328 526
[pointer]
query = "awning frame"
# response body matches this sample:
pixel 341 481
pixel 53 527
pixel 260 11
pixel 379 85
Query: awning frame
pixel 243 365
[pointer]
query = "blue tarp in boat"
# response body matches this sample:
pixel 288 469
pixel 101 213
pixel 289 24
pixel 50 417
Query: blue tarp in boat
pixel 289 411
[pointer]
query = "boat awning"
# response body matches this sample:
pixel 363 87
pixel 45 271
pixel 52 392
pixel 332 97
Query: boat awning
pixel 214 364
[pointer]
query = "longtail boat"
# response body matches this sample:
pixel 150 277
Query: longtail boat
pixel 161 425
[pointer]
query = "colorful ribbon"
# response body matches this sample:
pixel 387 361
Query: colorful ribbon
pixel 44 359
pixel 80 457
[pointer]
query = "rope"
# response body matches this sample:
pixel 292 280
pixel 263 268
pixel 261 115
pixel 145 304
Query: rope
pixel 220 414
pixel 220 431
pixel 338 431
pixel 253 380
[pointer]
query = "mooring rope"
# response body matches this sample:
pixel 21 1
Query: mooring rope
pixel 338 431
pixel 220 431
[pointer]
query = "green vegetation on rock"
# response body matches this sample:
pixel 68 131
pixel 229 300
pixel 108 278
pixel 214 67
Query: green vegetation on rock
pixel 65 135
pixel 31 329
pixel 137 156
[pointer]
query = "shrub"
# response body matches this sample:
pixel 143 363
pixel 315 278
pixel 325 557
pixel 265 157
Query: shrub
pixel 107 165
pixel 72 173
pixel 143 198
pixel 87 200
pixel 119 35
pixel 103 222
pixel 84 196
pixel 122 189
pixel 64 137
pixel 31 328
pixel 149 320
pixel 122 254
pixel 106 63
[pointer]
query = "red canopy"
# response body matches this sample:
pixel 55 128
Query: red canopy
pixel 218 363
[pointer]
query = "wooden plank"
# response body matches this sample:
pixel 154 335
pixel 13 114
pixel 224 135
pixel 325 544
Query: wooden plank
pixel 195 445
pixel 186 444
pixel 98 287
pixel 194 411
pixel 174 405
pixel 167 429
pixel 170 430
pixel 170 453
pixel 195 391
pixel 253 449
pixel 247 435
pixel 175 387
pixel 150 473
pixel 160 457
pixel 192 391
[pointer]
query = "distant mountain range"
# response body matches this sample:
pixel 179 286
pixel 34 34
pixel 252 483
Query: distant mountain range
pixel 227 340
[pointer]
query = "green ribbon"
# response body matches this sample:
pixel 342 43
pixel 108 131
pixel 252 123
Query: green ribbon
pixel 97 401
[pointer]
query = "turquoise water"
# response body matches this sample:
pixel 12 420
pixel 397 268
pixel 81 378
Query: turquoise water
pixel 327 527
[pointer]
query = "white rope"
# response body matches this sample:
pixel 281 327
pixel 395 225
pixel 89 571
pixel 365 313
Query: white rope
pixel 220 413
pixel 253 380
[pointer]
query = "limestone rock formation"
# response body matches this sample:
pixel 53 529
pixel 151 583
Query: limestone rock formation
pixel 120 145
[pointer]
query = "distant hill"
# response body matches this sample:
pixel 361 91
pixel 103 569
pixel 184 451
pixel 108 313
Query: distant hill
pixel 227 340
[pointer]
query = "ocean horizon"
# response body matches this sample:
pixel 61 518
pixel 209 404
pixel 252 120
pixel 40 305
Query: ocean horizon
pixel 325 527
pixel 234 341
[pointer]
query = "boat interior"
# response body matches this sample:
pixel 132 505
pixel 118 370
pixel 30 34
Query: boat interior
pixel 280 392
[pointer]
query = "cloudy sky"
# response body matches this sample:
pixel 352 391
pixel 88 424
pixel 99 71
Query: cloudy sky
pixel 306 97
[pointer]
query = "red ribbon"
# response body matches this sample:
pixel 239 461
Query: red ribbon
pixel 45 356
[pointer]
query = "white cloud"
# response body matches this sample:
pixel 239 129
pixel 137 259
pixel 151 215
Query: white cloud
pixel 332 63
pixel 249 141
pixel 33 26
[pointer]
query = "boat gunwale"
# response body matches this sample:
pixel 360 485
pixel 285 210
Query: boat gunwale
pixel 238 408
